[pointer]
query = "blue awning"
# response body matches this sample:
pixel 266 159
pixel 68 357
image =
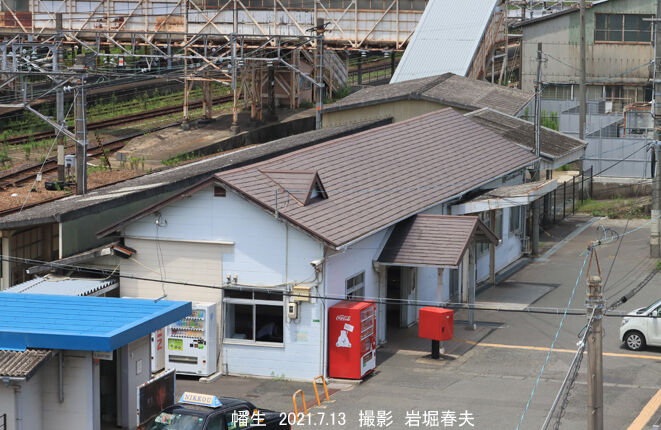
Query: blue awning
pixel 81 323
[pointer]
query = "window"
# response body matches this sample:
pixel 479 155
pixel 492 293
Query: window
pixel 219 191
pixel 557 92
pixel 622 28
pixel 355 286
pixel 498 228
pixel 483 247
pixel 253 316
pixel 515 219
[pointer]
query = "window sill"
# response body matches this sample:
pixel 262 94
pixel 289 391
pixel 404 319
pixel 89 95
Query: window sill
pixel 251 343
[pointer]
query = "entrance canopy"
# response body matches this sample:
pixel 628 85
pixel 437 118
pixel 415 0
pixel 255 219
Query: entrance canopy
pixel 433 240
pixel 81 323
pixel 65 286
pixel 506 197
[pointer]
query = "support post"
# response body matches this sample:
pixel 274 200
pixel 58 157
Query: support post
pixel 81 137
pixel 538 119
pixel 207 100
pixel 492 251
pixel 234 128
pixel 595 303
pixel 320 70
pixel 582 87
pixel 273 116
pixel 392 63
pixel 655 251
pixel 59 99
pixel 472 280
pixel 360 68
pixel 435 349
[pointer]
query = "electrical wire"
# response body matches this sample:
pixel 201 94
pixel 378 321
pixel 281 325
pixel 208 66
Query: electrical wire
pixel 557 333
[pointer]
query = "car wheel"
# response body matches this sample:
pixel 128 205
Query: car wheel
pixel 634 341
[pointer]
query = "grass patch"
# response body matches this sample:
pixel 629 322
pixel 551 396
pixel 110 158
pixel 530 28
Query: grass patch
pixel 180 158
pixel 615 208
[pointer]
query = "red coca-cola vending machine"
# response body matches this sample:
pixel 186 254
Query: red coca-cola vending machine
pixel 351 339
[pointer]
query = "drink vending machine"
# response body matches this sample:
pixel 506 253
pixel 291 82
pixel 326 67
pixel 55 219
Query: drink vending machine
pixel 192 343
pixel 352 339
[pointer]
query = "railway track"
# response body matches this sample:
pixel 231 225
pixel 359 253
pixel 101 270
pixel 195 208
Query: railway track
pixel 16 140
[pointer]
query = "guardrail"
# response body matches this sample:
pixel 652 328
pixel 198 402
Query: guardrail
pixel 3 422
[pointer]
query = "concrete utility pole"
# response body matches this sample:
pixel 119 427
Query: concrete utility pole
pixel 320 70
pixel 81 138
pixel 536 176
pixel 273 116
pixel 582 87
pixel 595 303
pixel 655 252
pixel 59 100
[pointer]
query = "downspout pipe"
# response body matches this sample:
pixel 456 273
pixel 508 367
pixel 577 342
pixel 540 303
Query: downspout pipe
pixel 18 406
pixel 60 379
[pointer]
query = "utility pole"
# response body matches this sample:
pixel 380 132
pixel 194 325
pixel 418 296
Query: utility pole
pixel 320 70
pixel 81 139
pixel 655 252
pixel 59 99
pixel 582 87
pixel 234 128
pixel 184 124
pixel 536 175
pixel 594 306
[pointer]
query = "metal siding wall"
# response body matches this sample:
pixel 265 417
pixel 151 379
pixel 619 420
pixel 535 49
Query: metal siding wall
pixel 7 405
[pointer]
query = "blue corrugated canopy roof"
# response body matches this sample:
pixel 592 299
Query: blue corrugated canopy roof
pixel 81 323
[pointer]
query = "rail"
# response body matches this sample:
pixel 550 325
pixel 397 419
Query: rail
pixel 293 398
pixel 3 422
pixel 316 392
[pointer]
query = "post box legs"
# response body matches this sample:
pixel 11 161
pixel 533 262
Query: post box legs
pixel 435 349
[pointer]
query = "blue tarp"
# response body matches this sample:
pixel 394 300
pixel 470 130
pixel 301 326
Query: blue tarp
pixel 81 323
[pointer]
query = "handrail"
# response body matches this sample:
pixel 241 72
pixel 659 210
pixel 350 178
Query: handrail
pixel 293 398
pixel 316 392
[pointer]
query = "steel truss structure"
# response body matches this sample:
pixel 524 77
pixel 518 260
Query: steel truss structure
pixel 351 24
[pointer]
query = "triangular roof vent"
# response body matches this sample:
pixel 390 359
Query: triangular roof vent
pixel 304 186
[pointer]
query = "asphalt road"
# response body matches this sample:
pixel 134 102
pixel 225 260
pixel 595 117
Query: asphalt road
pixel 491 372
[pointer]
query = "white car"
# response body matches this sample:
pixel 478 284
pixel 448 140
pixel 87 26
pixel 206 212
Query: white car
pixel 642 328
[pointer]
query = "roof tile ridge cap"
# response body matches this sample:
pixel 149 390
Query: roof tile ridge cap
pixel 257 166
pixel 514 117
pixel 439 80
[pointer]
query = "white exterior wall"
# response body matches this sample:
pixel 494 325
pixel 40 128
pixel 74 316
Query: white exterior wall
pixel 77 410
pixel 264 252
pixel 7 405
pixel 506 253
pixel 32 403
pixel 357 258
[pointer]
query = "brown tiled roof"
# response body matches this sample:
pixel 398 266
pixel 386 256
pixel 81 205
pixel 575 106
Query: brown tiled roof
pixel 22 364
pixel 448 89
pixel 381 176
pixel 553 144
pixel 433 240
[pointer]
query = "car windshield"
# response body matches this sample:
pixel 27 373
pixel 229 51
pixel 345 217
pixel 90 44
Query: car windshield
pixel 650 307
pixel 175 421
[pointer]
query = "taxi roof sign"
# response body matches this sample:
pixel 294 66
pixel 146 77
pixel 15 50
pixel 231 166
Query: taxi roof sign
pixel 200 399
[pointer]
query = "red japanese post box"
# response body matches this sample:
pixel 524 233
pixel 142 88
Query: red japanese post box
pixel 436 323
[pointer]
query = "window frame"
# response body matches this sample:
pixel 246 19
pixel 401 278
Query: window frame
pixel 254 303
pixel 622 30
pixel 349 292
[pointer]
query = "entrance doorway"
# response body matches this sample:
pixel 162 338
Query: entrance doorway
pixel 108 391
pixel 401 287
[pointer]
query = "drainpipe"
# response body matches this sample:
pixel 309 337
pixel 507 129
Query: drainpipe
pixel 60 379
pixel 18 407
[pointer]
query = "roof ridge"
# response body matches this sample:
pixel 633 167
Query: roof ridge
pixel 439 79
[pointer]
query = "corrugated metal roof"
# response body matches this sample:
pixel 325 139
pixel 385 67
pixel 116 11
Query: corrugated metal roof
pixel 432 240
pixel 446 89
pixel 62 286
pixel 445 39
pixel 22 364
pixel 81 323
pixel 380 176
pixel 553 144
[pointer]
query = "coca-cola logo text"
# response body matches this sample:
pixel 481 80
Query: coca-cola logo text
pixel 343 318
